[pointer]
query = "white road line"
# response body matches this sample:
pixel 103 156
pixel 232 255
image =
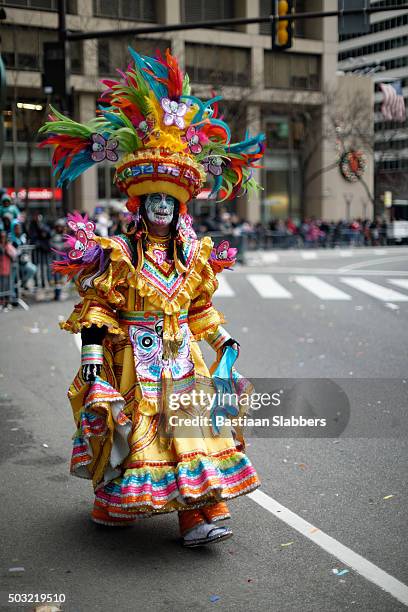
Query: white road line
pixel 308 255
pixel 268 287
pixel 361 265
pixel 78 341
pixel 345 253
pixel 224 288
pixel 319 287
pixel 377 291
pixel 399 282
pixel 347 556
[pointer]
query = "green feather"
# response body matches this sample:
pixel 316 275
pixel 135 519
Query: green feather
pixel 128 140
pixel 186 90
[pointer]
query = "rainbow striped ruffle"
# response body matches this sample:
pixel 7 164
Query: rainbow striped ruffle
pixel 188 484
pixel 102 413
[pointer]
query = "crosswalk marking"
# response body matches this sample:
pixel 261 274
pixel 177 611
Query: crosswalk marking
pixel 319 287
pixel 399 282
pixel 308 255
pixel 268 287
pixel 384 294
pixel 224 288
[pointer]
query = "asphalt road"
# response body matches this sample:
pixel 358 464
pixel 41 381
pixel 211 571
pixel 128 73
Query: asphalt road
pixel 352 488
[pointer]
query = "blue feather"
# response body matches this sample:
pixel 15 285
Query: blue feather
pixel 79 164
pixel 142 62
pixel 217 185
pixel 113 118
pixel 223 125
pixel 247 145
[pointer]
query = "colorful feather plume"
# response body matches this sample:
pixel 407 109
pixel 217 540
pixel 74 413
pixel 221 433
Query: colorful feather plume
pixel 150 107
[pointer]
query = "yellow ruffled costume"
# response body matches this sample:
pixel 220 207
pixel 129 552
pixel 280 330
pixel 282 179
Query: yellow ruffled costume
pixel 161 306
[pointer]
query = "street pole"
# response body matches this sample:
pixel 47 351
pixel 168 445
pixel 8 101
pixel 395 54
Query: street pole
pixel 214 23
pixel 65 94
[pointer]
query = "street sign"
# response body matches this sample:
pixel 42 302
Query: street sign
pixel 354 24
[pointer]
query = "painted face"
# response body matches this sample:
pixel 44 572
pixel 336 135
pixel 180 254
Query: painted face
pixel 160 208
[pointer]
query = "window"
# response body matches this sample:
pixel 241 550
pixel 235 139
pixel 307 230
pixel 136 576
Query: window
pixel 393 164
pixel 106 187
pixel 380 26
pixel 207 10
pixel 284 133
pixel 394 145
pixel 277 133
pixel 292 70
pixel 30 55
pixel 398 62
pixel 218 65
pixel 382 45
pixel 138 10
pixel 113 53
pixel 44 5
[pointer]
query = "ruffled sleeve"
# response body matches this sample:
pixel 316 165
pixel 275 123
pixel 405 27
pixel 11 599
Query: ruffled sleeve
pixel 101 291
pixel 203 318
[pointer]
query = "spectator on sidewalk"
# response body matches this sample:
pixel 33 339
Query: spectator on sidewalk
pixel 27 270
pixel 7 207
pixel 7 255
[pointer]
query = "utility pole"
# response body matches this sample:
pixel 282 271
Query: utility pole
pixel 65 89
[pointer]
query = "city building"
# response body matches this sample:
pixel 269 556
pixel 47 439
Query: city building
pixel 289 95
pixel 383 51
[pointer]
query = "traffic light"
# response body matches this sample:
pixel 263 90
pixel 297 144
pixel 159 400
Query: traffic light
pixel 282 31
pixel 55 74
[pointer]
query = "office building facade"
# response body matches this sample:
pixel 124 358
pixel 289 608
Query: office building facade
pixel 384 51
pixel 282 94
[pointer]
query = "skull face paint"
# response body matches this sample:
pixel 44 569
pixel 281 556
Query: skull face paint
pixel 160 208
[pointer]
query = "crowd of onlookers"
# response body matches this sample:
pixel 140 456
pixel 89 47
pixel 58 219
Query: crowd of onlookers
pixel 28 243
pixel 309 232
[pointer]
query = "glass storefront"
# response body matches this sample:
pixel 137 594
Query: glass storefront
pixel 281 180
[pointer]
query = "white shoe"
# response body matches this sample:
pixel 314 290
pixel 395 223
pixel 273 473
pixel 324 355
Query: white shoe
pixel 206 533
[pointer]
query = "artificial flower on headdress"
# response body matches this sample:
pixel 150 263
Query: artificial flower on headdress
pixel 102 148
pixel 159 137
pixel 195 139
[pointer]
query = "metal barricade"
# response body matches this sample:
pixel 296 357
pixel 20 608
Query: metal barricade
pixel 42 260
pixel 21 269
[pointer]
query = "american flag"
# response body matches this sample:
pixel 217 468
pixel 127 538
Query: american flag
pixel 393 106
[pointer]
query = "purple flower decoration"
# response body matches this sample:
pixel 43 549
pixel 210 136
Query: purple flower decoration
pixel 213 164
pixel 174 112
pixel 103 148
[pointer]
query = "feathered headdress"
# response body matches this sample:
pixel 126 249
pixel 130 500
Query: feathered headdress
pixel 159 136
